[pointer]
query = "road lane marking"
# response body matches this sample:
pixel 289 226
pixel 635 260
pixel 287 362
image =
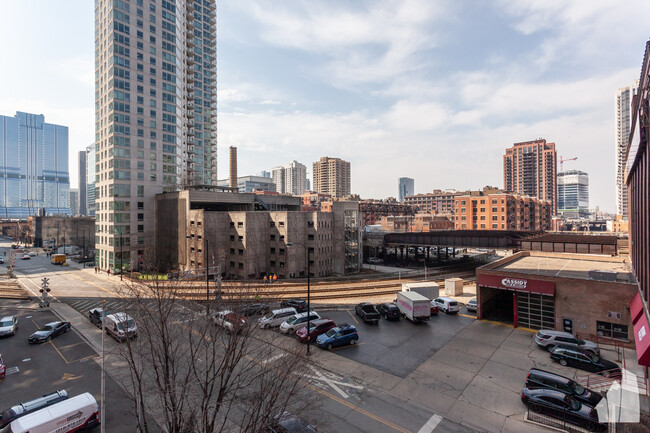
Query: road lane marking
pixel 324 379
pixel 349 385
pixel 273 358
pixel 68 376
pixel 12 370
pixel 353 318
pixel 467 315
pixel 431 425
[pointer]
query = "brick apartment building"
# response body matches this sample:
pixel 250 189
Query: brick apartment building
pixel 501 211
pixel 373 210
pixel 422 222
pixel 438 201
pixel 530 168
pixel 332 176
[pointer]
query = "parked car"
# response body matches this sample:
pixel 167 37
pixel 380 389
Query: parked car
pixel 472 305
pixel 3 371
pixel 584 360
pixel 26 257
pixel 375 260
pixel 276 317
pixel 339 336
pixel 299 304
pixel 434 308
pixel 96 315
pixel 318 327
pixel 32 253
pixel 229 320
pixel 389 311
pixel 8 325
pixel 549 338
pixel 255 310
pixel 540 379
pixel 562 406
pixel 120 326
pixel 2 260
pixel 297 321
pixel 289 423
pixel 14 412
pixel 367 312
pixel 447 305
pixel 49 331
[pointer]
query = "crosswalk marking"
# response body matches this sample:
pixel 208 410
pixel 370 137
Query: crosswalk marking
pixel 273 358
pixel 431 424
pixel 12 370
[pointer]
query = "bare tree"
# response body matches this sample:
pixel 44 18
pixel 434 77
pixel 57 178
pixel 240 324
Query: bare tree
pixel 192 376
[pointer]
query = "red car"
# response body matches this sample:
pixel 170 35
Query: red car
pixel 434 308
pixel 318 327
pixel 3 369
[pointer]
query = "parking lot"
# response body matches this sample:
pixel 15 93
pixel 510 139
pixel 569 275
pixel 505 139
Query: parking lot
pixel 384 346
pixel 66 362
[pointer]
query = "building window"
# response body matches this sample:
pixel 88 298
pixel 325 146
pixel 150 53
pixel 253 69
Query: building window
pixel 310 224
pixel 272 237
pixel 240 224
pixel 232 237
pixel 612 330
pixel 140 228
pixel 232 264
pixel 241 238
pixel 310 237
pixel 281 251
pixel 272 250
pixel 272 224
pixel 241 252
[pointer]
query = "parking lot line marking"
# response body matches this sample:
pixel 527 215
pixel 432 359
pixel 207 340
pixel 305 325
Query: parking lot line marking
pixel 358 409
pixel 12 370
pixel 72 345
pixel 353 318
pixel 85 357
pixel 431 425
pixel 57 351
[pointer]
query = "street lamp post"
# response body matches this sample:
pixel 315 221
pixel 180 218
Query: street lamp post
pixel 103 406
pixel 289 244
pixel 207 276
pixel 63 240
pixel 121 257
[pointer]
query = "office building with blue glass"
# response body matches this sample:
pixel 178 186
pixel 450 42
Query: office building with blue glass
pixel 33 167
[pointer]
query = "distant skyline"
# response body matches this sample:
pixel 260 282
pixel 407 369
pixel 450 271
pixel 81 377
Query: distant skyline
pixel 435 91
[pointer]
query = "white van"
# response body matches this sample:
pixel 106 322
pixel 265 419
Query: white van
pixel 276 317
pixel 121 326
pixel 447 305
pixel 72 415
pixel 297 321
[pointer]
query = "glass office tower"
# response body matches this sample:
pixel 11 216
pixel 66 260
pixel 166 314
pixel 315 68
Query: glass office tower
pixel 34 167
pixel 155 116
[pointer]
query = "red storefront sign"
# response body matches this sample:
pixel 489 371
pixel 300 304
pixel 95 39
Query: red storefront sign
pixel 517 284
pixel 641 331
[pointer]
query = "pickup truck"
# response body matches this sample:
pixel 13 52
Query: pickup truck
pixel 367 312
pixel 229 321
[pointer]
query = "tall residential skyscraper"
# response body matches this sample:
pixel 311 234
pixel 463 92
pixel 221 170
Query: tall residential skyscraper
pixel 573 194
pixel 74 201
pixel 83 209
pixel 332 176
pixel 623 115
pixel 155 102
pixel 290 178
pixel 530 168
pixel 406 187
pixel 34 166
pixel 90 180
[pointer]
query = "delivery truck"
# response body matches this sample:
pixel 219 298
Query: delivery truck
pixel 413 306
pixel 75 414
pixel 428 289
pixel 58 259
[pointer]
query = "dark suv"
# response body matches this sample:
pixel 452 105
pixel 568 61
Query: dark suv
pixel 540 379
pixel 389 311
pixel 585 360
pixel 299 304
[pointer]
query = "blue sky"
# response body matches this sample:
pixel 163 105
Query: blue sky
pixel 434 90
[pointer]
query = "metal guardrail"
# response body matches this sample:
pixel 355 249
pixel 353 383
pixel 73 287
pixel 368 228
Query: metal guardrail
pixel 553 422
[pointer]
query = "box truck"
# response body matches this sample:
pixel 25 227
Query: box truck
pixel 75 414
pixel 414 306
pixel 428 289
pixel 58 259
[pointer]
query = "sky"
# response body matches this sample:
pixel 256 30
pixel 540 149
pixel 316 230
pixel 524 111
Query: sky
pixel 433 90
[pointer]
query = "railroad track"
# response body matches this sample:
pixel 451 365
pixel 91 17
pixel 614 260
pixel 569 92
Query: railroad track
pixel 365 290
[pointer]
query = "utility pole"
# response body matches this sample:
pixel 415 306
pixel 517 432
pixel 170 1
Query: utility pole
pixel 207 276
pixel 103 382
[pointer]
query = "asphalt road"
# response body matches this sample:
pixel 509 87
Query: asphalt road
pixel 66 362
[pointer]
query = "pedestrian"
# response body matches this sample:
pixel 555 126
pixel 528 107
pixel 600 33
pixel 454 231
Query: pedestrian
pixel 108 271
pixel 265 280
pixel 275 278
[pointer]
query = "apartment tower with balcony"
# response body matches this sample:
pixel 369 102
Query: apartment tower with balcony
pixel 155 116
pixel 530 168
pixel 623 119
pixel 332 176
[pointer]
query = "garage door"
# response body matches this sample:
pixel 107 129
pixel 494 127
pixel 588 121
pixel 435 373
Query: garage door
pixel 535 311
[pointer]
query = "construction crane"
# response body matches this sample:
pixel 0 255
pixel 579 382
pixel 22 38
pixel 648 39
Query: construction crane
pixel 562 162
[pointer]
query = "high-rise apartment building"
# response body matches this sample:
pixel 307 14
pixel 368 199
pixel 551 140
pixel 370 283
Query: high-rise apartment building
pixel 83 183
pixel 623 120
pixel 155 101
pixel 406 187
pixel 74 201
pixel 332 176
pixel 530 168
pixel 34 167
pixel 290 178
pixel 90 180
pixel 573 194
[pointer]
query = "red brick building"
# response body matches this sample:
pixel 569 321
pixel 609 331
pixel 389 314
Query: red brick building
pixel 530 168
pixel 417 223
pixel 373 210
pixel 438 202
pixel 501 211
